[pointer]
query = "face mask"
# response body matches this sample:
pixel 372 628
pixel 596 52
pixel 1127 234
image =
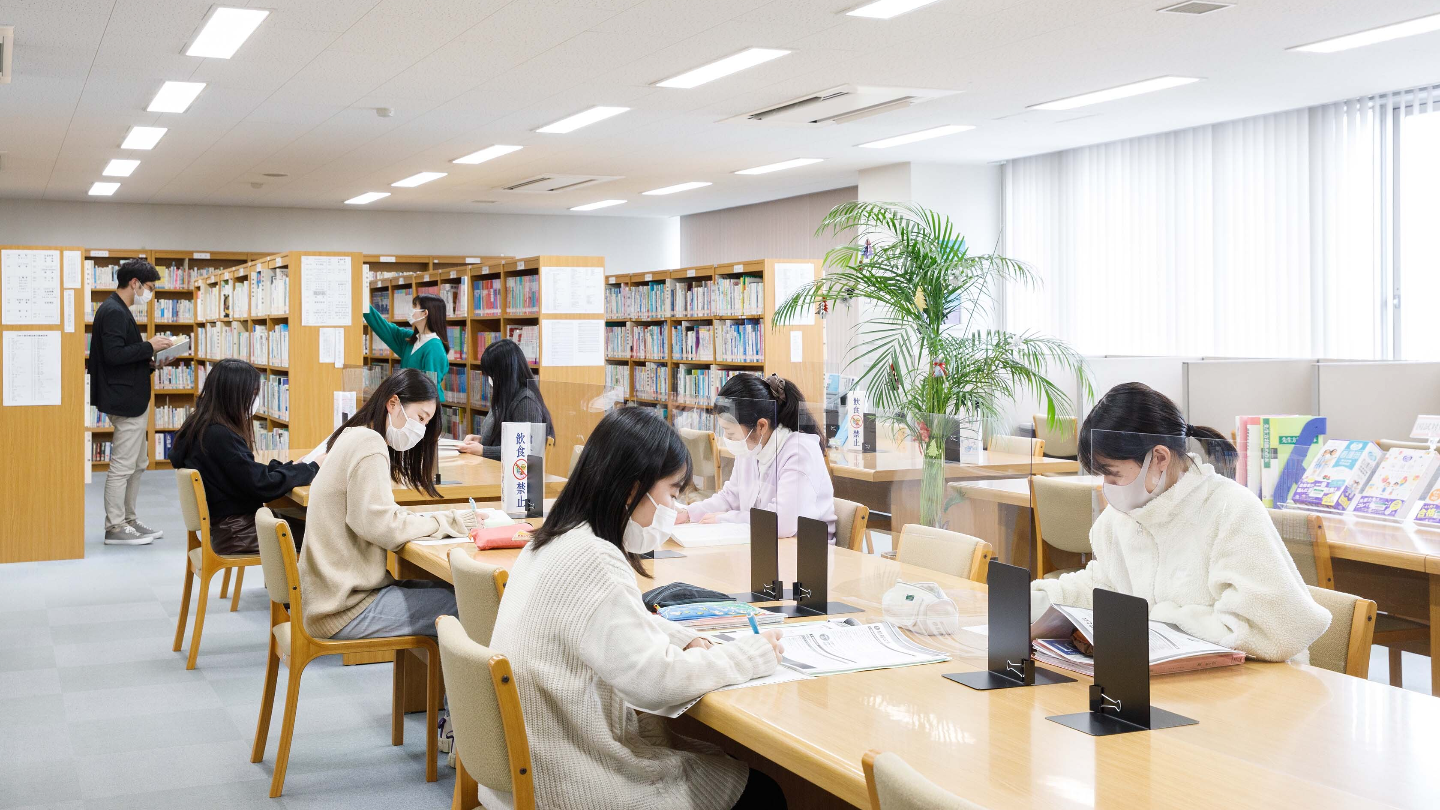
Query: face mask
pixel 645 539
pixel 416 316
pixel 143 296
pixel 1132 496
pixel 740 448
pixel 255 406
pixel 404 438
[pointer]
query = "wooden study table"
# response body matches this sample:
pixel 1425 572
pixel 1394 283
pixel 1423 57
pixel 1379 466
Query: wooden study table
pixel 465 476
pixel 1269 734
pixel 998 511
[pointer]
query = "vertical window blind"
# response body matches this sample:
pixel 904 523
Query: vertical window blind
pixel 1271 236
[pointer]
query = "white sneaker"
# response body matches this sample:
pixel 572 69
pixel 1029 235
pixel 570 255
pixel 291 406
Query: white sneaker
pixel 126 536
pixel 146 531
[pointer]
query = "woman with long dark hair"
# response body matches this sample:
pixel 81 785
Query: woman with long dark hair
pixel 218 440
pixel 354 520
pixel 587 653
pixel 514 397
pixel 779 461
pixel 1194 543
pixel 424 345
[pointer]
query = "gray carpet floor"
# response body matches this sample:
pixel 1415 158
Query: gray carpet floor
pixel 97 712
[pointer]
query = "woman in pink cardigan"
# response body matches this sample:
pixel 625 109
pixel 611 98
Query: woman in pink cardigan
pixel 778 457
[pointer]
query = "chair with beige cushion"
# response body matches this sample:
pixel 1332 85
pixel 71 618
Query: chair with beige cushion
pixel 1017 446
pixel 852 522
pixel 489 723
pixel 894 785
pixel 1062 440
pixel 1304 537
pixel 291 643
pixel 705 459
pixel 478 588
pixel 1064 509
pixel 201 561
pixel 949 552
pixel 1345 646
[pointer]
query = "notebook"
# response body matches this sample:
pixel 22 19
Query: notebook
pixel 691 535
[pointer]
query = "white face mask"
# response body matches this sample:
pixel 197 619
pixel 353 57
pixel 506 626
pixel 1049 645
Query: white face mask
pixel 645 539
pixel 255 406
pixel 416 316
pixel 740 448
pixel 406 437
pixel 1132 496
pixel 143 295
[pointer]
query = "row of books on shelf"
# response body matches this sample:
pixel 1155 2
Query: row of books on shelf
pixel 163 443
pixel 177 377
pixel 267 439
pixel 453 292
pixel 137 310
pixel 275 397
pixel 265 292
pixel 692 342
pixel 740 342
pixel 257 344
pixel 487 298
pixel 686 298
pixel 93 417
pixel 380 302
pixel 522 295
pixel 700 386
pixel 455 386
pixel 453 425
pixel 174 310
pixel 171 417
pixel 479 389
pixel 529 339
pixel 455 335
pixel 651 381
pixel 404 302
pixel 103 277
pixel 100 450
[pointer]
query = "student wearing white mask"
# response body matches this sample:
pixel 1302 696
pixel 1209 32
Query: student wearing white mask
pixel 1199 547
pixel 779 461
pixel 353 518
pixel 424 345
pixel 587 653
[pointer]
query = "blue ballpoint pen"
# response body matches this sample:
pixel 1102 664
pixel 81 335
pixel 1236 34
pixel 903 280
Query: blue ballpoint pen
pixel 753 626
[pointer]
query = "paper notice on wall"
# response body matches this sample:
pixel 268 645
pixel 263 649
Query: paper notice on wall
pixel 332 347
pixel 31 286
pixel 572 343
pixel 790 277
pixel 69 310
pixel 32 366
pixel 325 291
pixel 344 407
pixel 572 290
pixel 797 346
pixel 72 269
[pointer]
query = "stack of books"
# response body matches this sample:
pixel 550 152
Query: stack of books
pixel 719 616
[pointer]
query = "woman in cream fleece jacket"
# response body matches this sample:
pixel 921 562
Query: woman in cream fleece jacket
pixel 587 654
pixel 1198 546
pixel 353 518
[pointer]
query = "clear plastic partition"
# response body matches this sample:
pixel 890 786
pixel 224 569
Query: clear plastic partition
pixel 575 409
pixel 1122 453
pixel 748 449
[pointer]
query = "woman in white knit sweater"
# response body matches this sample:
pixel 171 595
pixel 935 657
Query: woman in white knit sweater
pixel 1194 543
pixel 587 654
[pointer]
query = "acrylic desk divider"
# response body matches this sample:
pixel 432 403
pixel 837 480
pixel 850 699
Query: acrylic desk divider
pixel 765 584
pixel 1010 661
pixel 1120 696
pixel 812 571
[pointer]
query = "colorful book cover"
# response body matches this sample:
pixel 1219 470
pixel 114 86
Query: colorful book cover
pixel 1403 476
pixel 1427 512
pixel 1288 446
pixel 1337 476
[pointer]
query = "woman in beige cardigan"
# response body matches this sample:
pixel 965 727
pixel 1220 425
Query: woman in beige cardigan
pixel 353 518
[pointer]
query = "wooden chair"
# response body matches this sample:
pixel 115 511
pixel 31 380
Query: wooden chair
pixel 939 550
pixel 852 521
pixel 894 785
pixel 1017 446
pixel 1063 510
pixel 489 723
pixel 478 588
pixel 1345 646
pixel 201 560
pixel 705 456
pixel 1305 539
pixel 291 643
pixel 1061 441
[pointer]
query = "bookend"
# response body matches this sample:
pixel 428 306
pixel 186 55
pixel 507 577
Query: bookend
pixel 1010 662
pixel 1120 696
pixel 812 571
pixel 765 584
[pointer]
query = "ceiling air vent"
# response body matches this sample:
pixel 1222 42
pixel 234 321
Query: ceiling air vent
pixel 555 183
pixel 839 105
pixel 1194 8
pixel 7 47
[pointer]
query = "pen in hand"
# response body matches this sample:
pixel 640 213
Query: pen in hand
pixel 755 628
pixel 479 521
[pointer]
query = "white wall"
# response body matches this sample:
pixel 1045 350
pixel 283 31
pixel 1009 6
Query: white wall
pixel 629 244
pixel 778 229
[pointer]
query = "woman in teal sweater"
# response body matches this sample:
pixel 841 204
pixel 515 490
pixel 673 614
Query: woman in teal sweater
pixel 422 347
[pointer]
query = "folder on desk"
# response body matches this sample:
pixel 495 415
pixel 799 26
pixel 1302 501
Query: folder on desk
pixel 691 535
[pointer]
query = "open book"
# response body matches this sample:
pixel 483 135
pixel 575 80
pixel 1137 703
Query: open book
pixel 691 535
pixel 1170 649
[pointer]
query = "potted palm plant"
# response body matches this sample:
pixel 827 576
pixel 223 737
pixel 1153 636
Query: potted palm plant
pixel 926 357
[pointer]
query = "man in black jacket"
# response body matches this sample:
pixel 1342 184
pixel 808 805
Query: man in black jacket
pixel 120 367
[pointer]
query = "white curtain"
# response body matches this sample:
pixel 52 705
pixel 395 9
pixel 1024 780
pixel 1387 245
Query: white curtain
pixel 1265 237
pixel 1418 176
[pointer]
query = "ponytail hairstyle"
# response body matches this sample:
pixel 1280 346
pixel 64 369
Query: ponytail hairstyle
pixel 1133 418
pixel 434 307
pixel 789 411
pixel 415 468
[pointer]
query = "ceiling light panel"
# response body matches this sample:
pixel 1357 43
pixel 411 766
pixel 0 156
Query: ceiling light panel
pixel 1409 28
pixel 143 137
pixel 225 31
pixel 583 119
pixel 1123 91
pixel 724 67
pixel 922 135
pixel 781 166
pixel 120 168
pixel 417 179
pixel 104 189
pixel 367 198
pixel 488 153
pixel 593 206
pixel 175 97
pixel 885 9
pixel 675 189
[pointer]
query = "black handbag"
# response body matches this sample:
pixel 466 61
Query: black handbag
pixel 680 593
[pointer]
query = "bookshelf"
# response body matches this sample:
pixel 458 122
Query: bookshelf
pixel 256 311
pixel 673 337
pixel 45 515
